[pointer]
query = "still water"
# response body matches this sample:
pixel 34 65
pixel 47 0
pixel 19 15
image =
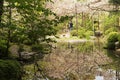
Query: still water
pixel 83 61
pixel 77 61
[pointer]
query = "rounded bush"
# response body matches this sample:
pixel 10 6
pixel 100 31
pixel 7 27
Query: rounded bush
pixel 112 29
pixel 113 37
pixel 9 70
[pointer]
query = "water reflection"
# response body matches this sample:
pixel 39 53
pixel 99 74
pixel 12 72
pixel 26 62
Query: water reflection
pixel 99 78
pixel 115 64
pixel 82 61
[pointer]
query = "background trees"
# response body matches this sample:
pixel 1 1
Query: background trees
pixel 26 22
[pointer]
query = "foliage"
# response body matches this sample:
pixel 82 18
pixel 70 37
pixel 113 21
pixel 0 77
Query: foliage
pixel 25 22
pixel 88 34
pixel 109 22
pixel 30 70
pixel 62 25
pixel 112 38
pixel 23 27
pixel 2 46
pixel 18 35
pixel 41 48
pixel 1 9
pixel 115 58
pixel 112 29
pixel 115 2
pixel 86 47
pixel 74 33
pixel 88 23
pixel 82 33
pixel 119 37
pixel 9 70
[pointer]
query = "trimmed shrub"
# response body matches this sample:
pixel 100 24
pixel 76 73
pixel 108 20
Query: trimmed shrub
pixel 112 38
pixel 112 29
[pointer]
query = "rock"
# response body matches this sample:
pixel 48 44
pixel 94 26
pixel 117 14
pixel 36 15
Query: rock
pixel 27 55
pixel 98 33
pixel 14 50
pixel 117 51
pixel 117 45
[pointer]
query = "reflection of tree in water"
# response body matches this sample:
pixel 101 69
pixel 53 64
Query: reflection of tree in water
pixel 115 65
pixel 80 59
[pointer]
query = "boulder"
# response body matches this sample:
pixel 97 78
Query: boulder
pixel 98 33
pixel 117 45
pixel 14 50
pixel 27 55
pixel 117 51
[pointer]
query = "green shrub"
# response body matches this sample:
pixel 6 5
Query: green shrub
pixel 74 33
pixel 81 33
pixel 88 34
pixel 85 47
pixel 9 70
pixel 112 38
pixel 37 47
pixel 119 37
pixel 27 41
pixel 112 29
pixel 3 46
pixel 42 48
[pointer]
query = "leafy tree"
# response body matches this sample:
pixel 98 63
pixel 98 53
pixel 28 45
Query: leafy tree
pixel 109 22
pixel 27 22
pixel 116 3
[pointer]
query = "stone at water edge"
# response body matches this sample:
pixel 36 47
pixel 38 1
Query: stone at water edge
pixel 117 51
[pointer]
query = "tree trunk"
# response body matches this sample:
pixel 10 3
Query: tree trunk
pixel 9 31
pixel 1 9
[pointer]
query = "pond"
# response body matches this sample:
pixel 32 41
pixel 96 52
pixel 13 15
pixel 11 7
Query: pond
pixel 82 61
pixel 86 60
